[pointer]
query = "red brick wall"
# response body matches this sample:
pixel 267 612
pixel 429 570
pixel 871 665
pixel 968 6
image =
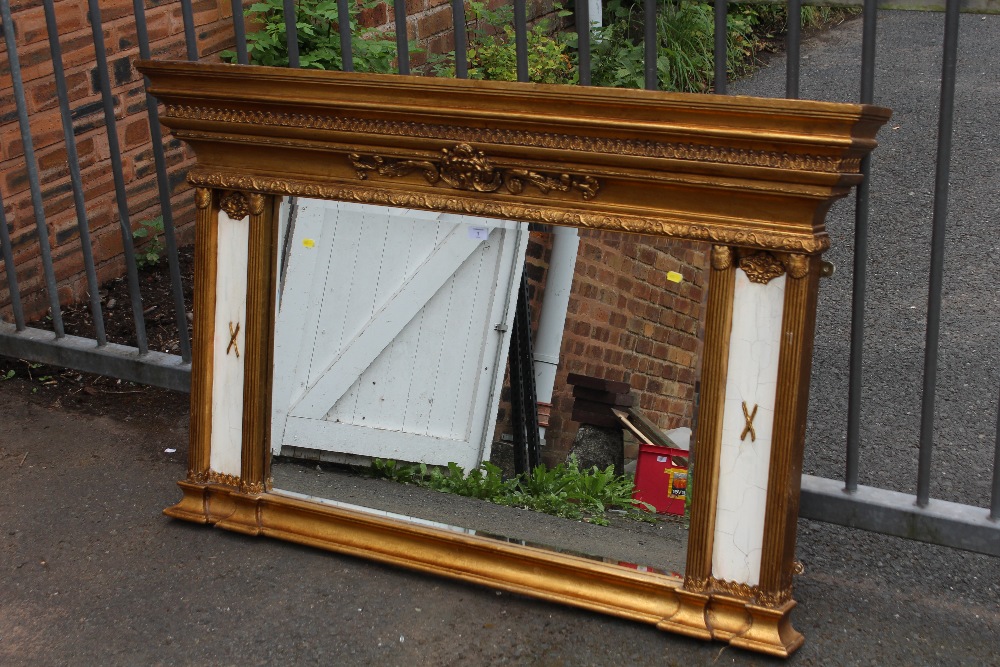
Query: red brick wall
pixel 166 32
pixel 626 322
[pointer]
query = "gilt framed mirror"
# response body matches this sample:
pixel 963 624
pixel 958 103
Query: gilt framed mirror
pixel 297 171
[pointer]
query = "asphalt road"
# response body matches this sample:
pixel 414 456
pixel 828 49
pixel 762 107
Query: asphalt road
pixel 91 572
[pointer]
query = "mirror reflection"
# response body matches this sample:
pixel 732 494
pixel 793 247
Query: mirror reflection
pixel 532 385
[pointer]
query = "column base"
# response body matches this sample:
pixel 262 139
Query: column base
pixel 193 506
pixel 728 617
pixel 689 619
pixel 770 631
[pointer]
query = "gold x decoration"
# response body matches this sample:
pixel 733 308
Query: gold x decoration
pixel 233 333
pixel 749 427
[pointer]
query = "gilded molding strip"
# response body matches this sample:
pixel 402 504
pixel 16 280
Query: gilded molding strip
pixel 668 150
pixel 640 596
pixel 737 235
pixel 259 342
pixel 691 617
pixel 715 365
pixel 791 403
pixel 465 168
pixel 202 359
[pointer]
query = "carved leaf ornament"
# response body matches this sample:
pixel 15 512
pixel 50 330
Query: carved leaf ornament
pixel 465 168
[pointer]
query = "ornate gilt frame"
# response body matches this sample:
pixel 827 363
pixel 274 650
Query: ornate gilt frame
pixel 754 177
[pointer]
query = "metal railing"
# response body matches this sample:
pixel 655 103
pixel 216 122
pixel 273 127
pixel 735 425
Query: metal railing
pixel 850 503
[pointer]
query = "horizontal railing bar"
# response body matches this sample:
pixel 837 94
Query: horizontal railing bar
pixel 894 513
pixel 82 354
pixel 889 512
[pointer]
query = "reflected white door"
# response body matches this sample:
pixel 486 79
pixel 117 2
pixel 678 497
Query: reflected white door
pixel 392 331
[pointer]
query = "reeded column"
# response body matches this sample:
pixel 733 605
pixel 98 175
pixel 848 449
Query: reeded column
pixel 690 618
pixel 202 360
pixel 261 271
pixel 192 507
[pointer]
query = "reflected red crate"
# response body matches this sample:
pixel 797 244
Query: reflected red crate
pixel 661 478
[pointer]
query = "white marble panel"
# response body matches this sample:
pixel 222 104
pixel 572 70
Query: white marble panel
pixel 743 470
pixel 227 381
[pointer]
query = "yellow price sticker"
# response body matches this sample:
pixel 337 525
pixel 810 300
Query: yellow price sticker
pixel 309 243
pixel 674 277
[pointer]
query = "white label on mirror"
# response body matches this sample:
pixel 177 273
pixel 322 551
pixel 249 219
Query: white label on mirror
pixel 230 330
pixel 748 418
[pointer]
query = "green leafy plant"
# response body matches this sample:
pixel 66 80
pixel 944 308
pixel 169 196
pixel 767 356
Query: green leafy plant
pixel 685 33
pixel 317 22
pixel 152 249
pixel 565 490
pixel 492 52
pixel 684 46
pixel 397 472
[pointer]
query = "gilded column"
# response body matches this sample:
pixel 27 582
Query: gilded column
pixel 259 343
pixel 205 274
pixel 193 506
pixel 690 617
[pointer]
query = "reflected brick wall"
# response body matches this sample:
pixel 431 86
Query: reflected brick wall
pixel 627 322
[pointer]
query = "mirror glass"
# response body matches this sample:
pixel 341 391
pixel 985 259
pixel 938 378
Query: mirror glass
pixel 391 350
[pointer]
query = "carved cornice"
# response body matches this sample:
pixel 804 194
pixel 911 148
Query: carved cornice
pixel 736 235
pixel 668 150
pixel 465 168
